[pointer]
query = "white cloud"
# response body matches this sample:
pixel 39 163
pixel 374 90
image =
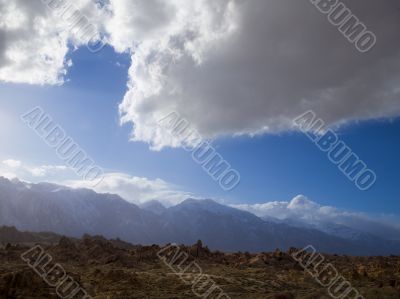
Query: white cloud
pixel 11 168
pixel 132 188
pixel 46 170
pixel 299 207
pixel 35 39
pixel 249 67
pixel 12 163
pixel 8 175
pixel 136 190
pixel 228 66
pixel 301 210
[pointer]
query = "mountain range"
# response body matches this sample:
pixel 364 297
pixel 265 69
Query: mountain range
pixel 75 212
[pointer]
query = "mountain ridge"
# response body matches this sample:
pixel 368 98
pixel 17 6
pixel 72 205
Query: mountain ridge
pixel 74 212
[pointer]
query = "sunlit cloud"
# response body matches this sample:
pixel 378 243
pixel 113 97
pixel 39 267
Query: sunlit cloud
pixel 302 211
pixel 136 190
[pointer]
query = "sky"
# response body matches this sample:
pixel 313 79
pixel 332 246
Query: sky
pixel 238 71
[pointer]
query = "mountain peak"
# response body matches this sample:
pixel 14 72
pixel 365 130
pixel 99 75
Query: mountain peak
pixel 191 201
pixel 154 206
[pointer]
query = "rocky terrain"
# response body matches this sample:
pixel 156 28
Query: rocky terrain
pixel 117 270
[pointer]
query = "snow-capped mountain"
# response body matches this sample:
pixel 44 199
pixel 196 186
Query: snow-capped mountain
pixel 304 213
pixel 74 212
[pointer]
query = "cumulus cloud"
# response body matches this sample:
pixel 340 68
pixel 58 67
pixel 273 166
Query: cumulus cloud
pixel 36 36
pixel 250 67
pixel 304 212
pixel 228 66
pixel 300 207
pixel 137 190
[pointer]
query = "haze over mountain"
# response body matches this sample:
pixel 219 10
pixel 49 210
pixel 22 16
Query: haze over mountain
pixel 303 212
pixel 74 212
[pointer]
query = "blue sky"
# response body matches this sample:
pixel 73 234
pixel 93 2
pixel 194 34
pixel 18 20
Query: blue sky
pixel 272 166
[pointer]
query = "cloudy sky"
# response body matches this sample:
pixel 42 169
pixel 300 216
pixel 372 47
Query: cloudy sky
pixel 238 70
